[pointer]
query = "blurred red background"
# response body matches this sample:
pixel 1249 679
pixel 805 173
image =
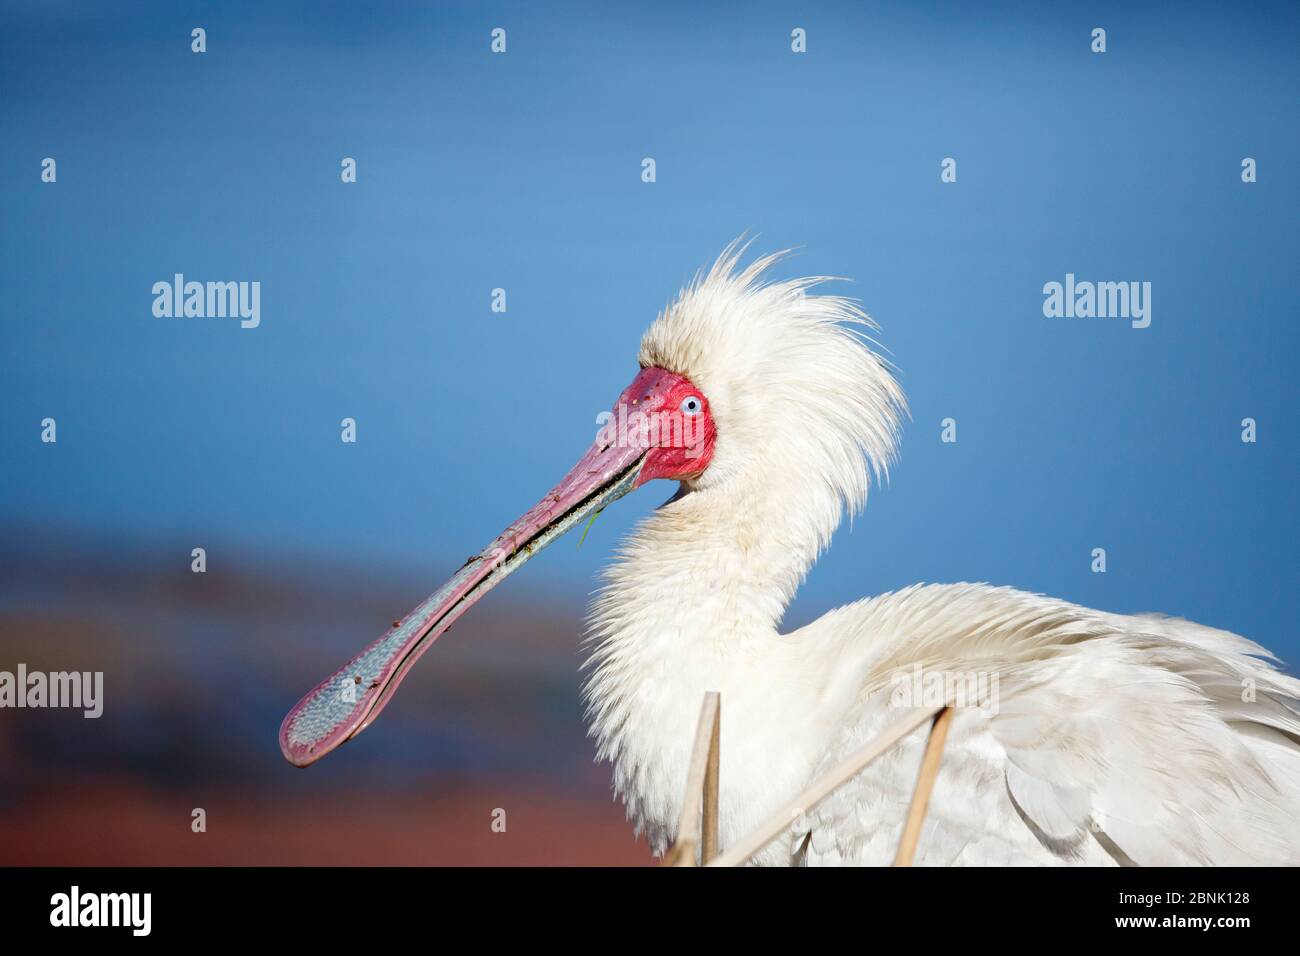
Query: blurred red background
pixel 200 668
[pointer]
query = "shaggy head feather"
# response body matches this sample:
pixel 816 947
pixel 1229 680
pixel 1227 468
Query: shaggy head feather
pixel 790 377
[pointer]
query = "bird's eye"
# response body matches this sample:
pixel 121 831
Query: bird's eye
pixel 691 405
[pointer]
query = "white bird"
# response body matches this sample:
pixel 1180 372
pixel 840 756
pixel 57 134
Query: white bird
pixel 1092 738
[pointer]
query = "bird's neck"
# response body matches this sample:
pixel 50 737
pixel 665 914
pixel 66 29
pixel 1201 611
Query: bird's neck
pixel 708 569
pixel 693 605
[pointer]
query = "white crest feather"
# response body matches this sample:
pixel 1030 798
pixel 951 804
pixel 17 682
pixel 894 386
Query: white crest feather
pixel 790 375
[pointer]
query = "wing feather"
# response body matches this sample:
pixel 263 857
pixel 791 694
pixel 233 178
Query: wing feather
pixel 1107 740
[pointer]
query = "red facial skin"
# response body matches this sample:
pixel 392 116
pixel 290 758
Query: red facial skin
pixel 677 455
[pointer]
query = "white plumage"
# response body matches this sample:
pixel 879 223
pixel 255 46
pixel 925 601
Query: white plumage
pixel 1113 739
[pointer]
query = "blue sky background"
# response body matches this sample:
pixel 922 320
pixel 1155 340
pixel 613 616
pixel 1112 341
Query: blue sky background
pixel 523 171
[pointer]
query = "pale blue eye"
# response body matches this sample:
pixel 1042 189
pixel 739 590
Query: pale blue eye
pixel 691 405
